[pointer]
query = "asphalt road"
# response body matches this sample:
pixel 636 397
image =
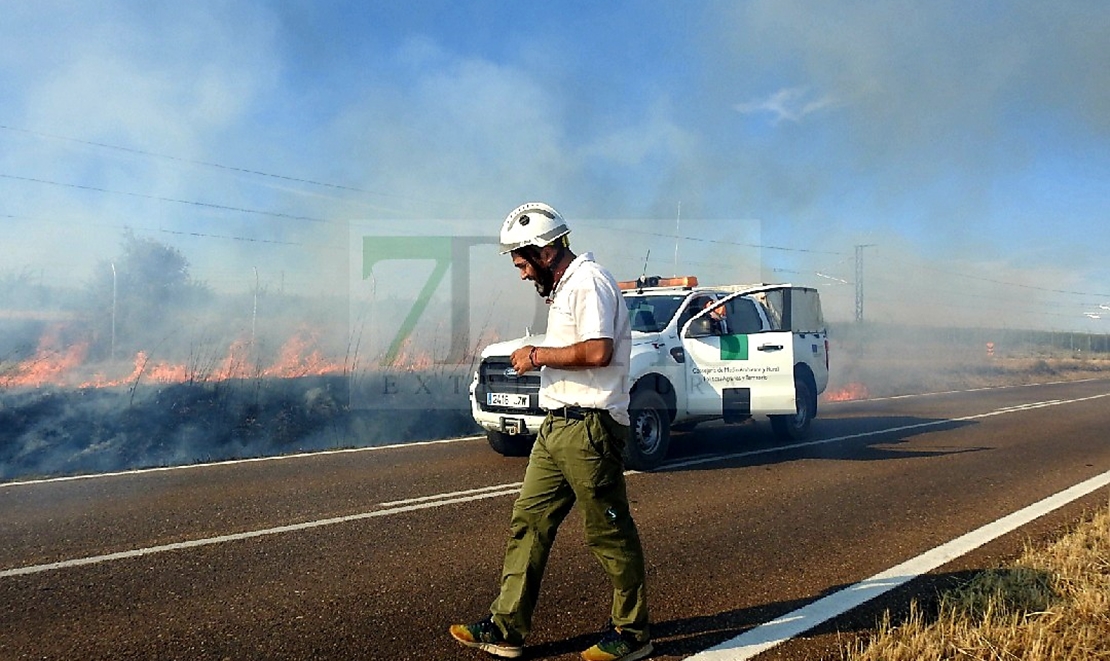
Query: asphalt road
pixel 372 554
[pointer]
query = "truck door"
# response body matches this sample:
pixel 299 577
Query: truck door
pixel 737 363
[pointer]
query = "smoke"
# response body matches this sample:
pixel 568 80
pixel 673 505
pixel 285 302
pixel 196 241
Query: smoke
pixel 829 125
pixel 963 145
pixel 914 100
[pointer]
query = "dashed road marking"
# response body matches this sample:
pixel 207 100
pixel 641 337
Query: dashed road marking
pixel 412 506
pixel 481 493
pixel 234 462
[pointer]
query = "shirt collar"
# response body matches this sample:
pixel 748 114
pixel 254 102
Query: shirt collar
pixel 571 268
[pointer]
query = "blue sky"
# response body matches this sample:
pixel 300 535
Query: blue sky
pixel 967 143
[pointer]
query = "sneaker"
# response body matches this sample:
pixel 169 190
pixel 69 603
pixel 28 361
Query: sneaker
pixel 617 646
pixel 486 636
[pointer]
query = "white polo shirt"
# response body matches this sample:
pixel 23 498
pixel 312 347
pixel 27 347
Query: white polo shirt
pixel 587 305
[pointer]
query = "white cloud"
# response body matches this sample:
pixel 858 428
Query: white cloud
pixel 790 104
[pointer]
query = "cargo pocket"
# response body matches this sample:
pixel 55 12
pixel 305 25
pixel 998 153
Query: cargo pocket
pixel 607 466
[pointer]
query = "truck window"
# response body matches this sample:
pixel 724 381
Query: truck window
pixel 695 306
pixel 795 309
pixel 743 317
pixel 806 311
pixel 650 314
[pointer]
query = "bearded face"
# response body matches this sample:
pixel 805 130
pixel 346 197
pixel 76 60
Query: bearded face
pixel 545 281
pixel 530 260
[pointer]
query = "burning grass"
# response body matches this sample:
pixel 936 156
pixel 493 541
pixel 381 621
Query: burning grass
pixel 1054 603
pixel 55 363
pixel 64 409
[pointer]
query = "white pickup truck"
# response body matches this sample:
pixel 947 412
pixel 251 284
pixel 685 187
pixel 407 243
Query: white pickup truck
pixel 698 353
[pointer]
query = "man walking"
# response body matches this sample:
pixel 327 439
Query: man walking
pixel 577 456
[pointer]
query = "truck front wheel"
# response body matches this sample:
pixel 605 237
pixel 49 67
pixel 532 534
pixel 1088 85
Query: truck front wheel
pixel 510 445
pixel 650 436
pixel 796 427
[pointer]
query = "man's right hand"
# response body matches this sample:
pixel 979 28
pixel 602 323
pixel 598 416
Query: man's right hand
pixel 522 360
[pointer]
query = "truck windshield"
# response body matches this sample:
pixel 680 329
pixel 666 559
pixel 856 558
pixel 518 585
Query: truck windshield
pixel 651 314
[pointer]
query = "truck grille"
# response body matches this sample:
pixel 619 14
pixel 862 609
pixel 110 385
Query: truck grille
pixel 496 375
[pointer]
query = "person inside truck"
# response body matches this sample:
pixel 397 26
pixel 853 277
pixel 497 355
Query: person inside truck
pixel 706 325
pixel 718 320
pixel 697 304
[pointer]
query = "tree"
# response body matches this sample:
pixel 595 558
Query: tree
pixel 140 293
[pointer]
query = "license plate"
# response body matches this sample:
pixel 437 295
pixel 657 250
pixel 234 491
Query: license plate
pixel 507 399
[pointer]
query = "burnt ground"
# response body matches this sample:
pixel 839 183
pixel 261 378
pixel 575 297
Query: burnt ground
pixel 52 431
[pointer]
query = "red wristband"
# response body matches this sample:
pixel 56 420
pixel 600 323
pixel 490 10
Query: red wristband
pixel 532 357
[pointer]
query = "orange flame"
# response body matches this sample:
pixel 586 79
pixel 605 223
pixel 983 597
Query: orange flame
pixel 235 364
pixel 414 360
pixel 300 356
pixel 848 393
pixel 160 372
pixel 48 366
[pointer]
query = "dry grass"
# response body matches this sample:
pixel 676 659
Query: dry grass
pixel 1053 604
pixel 895 367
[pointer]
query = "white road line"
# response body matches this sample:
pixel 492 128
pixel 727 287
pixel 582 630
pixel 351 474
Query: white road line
pixel 135 553
pixel 765 636
pixel 713 458
pixel 960 392
pixel 422 499
pixel 233 462
pixel 452 498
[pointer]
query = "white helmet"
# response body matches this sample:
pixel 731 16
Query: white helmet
pixel 532 224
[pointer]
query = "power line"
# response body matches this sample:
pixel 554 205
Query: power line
pixel 312 182
pixel 202 235
pixel 210 164
pixel 208 205
pixel 276 214
pixel 1015 284
pixel 251 240
pixel 221 207
pixel 721 241
pixel 943 298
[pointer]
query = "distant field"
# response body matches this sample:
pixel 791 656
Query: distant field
pixel 879 361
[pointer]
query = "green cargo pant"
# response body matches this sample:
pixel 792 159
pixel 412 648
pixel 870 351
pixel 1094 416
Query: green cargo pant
pixel 573 461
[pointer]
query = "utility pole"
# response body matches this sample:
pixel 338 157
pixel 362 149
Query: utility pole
pixel 112 351
pixel 677 225
pixel 859 279
pixel 254 311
